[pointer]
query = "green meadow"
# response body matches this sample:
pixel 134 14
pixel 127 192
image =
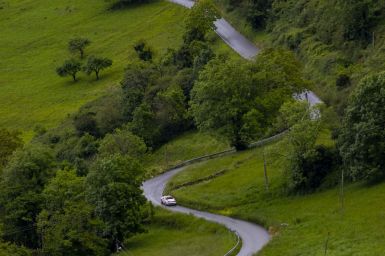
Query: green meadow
pixel 300 224
pixel 33 42
pixel 172 234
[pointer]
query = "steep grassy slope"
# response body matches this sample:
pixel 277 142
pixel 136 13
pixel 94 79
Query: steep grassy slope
pixel 301 225
pixel 33 42
pixel 174 234
pixel 187 146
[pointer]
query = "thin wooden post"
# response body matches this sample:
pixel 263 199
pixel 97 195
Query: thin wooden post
pixel 342 196
pixel 326 244
pixel 265 172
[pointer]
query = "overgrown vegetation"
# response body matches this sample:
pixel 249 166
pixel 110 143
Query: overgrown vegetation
pixel 339 42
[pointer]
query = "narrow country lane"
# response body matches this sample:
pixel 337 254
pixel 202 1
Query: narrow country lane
pixel 253 236
pixel 243 46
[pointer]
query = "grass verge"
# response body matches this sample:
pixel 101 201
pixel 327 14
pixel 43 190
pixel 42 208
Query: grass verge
pixel 175 234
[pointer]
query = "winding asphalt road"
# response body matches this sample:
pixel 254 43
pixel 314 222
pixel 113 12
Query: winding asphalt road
pixel 244 47
pixel 253 236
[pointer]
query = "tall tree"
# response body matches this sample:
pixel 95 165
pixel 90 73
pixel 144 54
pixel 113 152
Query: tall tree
pixel 78 45
pixel 67 224
pixel 200 20
pixel 240 100
pixel 22 182
pixel 113 187
pixel 223 97
pixel 305 164
pixel 362 138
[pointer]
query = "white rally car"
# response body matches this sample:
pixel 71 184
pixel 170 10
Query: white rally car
pixel 168 201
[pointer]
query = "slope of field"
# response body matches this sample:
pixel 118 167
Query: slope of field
pixel 301 225
pixel 173 234
pixel 187 146
pixel 33 42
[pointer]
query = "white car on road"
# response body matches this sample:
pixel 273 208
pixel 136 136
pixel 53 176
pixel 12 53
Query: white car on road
pixel 168 200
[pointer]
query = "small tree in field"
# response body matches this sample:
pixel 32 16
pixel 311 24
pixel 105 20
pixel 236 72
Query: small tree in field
pixel 78 45
pixel 69 68
pixel 95 65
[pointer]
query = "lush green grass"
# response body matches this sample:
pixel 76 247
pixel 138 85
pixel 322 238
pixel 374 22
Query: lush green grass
pixel 33 42
pixel 300 224
pixel 185 147
pixel 173 234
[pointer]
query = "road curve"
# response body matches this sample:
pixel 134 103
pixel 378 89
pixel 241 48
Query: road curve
pixel 229 34
pixel 244 47
pixel 253 236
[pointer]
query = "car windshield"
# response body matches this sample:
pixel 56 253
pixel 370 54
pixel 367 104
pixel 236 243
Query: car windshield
pixel 169 197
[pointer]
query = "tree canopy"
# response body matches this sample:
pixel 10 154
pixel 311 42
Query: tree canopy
pixel 113 187
pixel 69 68
pixel 200 20
pixel 240 100
pixel 78 45
pixel 363 133
pixel 96 64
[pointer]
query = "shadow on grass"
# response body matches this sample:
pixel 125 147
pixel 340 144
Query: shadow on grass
pixel 121 5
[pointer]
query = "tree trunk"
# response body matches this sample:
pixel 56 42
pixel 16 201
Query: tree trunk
pixel 97 74
pixel 81 53
pixel 74 77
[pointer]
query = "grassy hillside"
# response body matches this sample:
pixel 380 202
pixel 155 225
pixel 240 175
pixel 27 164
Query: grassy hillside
pixel 34 42
pixel 300 225
pixel 187 146
pixel 174 234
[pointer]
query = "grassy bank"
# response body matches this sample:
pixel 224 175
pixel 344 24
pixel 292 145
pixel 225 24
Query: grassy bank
pixel 174 234
pixel 34 43
pixel 187 146
pixel 300 225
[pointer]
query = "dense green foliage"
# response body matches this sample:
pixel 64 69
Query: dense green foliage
pixel 200 20
pixel 9 142
pixel 143 50
pixel 306 164
pixel 339 42
pixel 240 100
pixel 363 133
pixel 22 182
pixel 67 224
pixel 113 186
